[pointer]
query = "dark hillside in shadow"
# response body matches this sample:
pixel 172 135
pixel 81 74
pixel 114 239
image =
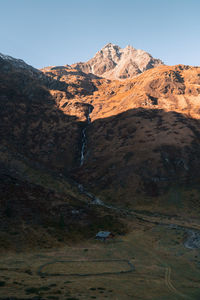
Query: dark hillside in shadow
pixel 32 125
pixel 141 153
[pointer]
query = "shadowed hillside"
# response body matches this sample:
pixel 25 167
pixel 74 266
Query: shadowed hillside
pixel 136 157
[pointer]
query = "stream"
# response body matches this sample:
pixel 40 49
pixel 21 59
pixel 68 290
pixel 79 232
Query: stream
pixel 84 137
pixel 193 238
pixel 193 235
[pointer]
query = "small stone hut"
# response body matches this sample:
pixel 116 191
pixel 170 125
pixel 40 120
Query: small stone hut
pixel 104 235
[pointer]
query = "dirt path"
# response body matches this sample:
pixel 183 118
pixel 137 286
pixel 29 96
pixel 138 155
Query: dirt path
pixel 169 284
pixel 131 269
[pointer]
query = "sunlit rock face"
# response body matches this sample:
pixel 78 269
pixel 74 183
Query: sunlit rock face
pixel 113 62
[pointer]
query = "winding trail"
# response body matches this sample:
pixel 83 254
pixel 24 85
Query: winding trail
pixel 169 284
pixel 158 220
pixel 154 219
pixel 168 280
pixel 131 268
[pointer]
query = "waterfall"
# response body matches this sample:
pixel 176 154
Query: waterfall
pixel 84 137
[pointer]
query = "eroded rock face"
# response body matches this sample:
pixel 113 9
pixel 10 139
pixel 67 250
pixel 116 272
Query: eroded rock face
pixel 113 62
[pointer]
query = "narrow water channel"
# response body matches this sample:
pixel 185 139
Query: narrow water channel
pixel 84 136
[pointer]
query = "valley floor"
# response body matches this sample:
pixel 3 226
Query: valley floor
pixel 150 262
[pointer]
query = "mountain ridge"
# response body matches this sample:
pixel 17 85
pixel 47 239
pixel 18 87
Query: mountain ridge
pixel 113 62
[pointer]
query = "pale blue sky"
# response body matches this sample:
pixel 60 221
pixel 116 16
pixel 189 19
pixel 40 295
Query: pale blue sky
pixel 57 32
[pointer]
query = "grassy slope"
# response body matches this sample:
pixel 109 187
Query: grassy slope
pixel 164 269
pixel 41 208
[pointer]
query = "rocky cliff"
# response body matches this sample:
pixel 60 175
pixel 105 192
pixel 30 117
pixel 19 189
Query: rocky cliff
pixel 113 62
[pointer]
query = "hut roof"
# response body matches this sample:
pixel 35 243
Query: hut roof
pixel 103 234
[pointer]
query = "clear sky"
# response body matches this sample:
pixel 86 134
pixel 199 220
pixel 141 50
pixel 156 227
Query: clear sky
pixel 57 32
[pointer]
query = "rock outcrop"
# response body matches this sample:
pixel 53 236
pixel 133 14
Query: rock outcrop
pixel 113 62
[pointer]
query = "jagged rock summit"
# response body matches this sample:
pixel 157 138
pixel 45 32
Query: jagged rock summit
pixel 113 62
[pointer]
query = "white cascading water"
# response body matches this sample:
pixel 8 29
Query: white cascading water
pixel 84 137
